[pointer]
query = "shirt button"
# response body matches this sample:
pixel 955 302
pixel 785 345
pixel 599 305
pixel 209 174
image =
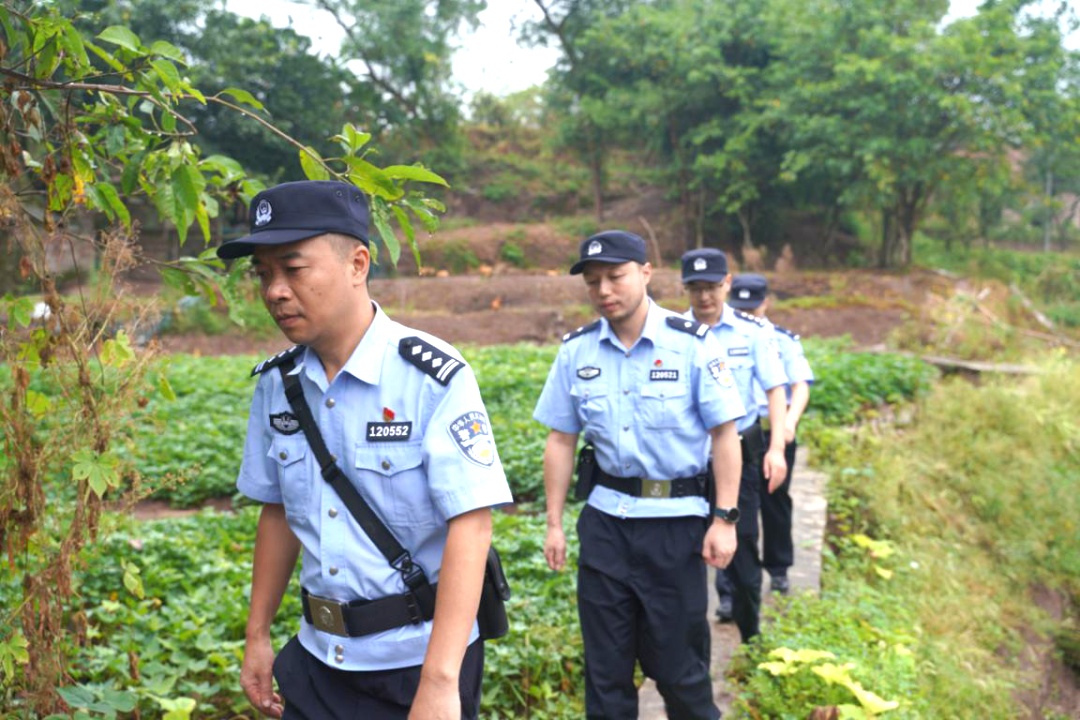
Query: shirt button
pixel 339 649
pixel 332 512
pixel 339 659
pixel 333 570
pixel 385 464
pixel 625 392
pixel 330 402
pixel 626 466
pixel 283 455
pixel 333 458
pixel 625 428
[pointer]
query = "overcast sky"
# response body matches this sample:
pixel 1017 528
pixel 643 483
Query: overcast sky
pixel 490 59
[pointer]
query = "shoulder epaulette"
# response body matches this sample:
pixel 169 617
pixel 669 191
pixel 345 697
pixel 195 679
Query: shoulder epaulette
pixel 594 325
pixel 789 333
pixel 436 363
pixel 688 326
pixel 750 318
pixel 277 359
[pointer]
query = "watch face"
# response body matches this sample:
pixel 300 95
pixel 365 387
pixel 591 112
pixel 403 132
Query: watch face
pixel 730 515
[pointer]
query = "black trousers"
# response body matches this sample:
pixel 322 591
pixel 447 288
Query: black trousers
pixel 642 597
pixel 315 691
pixel 742 578
pixel 777 548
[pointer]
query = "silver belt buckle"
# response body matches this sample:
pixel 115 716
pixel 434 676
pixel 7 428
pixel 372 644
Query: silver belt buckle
pixel 328 615
pixel 655 488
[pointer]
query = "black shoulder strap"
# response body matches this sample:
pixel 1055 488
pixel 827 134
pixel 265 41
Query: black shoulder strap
pixel 436 363
pixel 686 325
pixel 283 356
pixel 790 333
pixel 398 557
pixel 594 325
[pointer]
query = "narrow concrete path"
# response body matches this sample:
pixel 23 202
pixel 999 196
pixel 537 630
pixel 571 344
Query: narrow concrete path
pixel 808 497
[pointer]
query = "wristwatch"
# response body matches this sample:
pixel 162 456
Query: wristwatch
pixel 728 515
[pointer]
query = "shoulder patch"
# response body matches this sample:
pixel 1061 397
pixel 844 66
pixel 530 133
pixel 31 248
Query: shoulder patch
pixel 785 331
pixel 750 318
pixel 594 325
pixel 436 363
pixel 281 357
pixel 688 326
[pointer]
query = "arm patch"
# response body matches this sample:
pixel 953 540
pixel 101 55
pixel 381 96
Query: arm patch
pixel 430 359
pixel 281 357
pixel 686 325
pixel 594 325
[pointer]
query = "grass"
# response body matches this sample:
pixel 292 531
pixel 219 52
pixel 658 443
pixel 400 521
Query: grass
pixel 941 534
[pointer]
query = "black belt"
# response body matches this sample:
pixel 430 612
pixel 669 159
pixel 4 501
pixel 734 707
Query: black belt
pixel 642 487
pixel 364 617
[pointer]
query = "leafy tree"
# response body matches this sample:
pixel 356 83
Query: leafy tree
pixel 87 123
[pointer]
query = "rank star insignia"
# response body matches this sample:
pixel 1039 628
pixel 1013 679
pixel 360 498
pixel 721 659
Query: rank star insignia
pixel 472 435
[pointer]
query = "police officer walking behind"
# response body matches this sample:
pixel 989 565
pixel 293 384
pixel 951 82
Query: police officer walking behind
pixel 750 292
pixel 649 390
pixel 402 422
pixel 750 352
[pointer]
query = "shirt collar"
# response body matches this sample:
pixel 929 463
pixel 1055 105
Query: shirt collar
pixel 365 363
pixel 652 321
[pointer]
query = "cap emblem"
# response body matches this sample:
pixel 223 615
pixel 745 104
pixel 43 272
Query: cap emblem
pixel 594 248
pixel 700 264
pixel 263 213
pixel 744 294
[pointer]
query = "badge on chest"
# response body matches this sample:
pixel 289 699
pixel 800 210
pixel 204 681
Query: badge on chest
pixel 389 431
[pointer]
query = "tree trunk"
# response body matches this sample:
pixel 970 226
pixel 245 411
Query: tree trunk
pixel 596 169
pixel 885 252
pixel 1048 223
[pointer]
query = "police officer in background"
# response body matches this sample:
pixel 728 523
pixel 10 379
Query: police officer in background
pixel 402 416
pixel 649 390
pixel 750 292
pixel 750 352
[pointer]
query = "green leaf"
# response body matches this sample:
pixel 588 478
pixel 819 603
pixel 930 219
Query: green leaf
pixel 113 202
pixel 165 388
pixel 133 579
pixel 130 178
pixel 99 472
pixel 203 218
pixel 22 311
pixel 414 172
pixel 311 163
pixel 243 96
pixel 168 50
pixel 372 180
pixel 73 45
pixel 381 220
pixel 106 57
pixel 116 351
pixel 169 75
pixel 37 403
pixel 75 696
pixel 120 35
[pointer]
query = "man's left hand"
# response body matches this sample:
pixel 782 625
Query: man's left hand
pixel 436 700
pixel 775 468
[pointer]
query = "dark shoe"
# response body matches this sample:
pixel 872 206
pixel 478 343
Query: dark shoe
pixel 780 585
pixel 723 610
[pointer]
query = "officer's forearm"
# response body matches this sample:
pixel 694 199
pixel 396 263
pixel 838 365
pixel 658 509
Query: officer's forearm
pixel 276 550
pixel 777 413
pixel 460 581
pixel 558 472
pixel 800 397
pixel 727 464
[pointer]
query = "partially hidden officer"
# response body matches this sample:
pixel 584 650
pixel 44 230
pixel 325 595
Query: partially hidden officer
pixel 750 353
pixel 402 417
pixel 750 292
pixel 649 390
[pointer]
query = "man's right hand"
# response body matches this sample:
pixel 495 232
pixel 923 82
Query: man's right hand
pixel 555 548
pixel 257 678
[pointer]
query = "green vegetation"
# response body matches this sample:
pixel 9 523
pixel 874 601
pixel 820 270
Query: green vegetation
pixel 935 559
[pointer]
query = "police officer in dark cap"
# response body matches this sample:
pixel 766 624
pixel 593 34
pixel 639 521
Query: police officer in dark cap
pixel 648 390
pixel 405 432
pixel 750 292
pixel 750 352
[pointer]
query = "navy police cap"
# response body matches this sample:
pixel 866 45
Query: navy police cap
pixel 610 246
pixel 748 291
pixel 295 211
pixel 705 264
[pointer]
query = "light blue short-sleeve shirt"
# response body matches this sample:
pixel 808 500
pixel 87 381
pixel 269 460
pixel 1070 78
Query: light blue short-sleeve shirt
pixel 647 409
pixel 418 451
pixel 751 352
pixel 795 364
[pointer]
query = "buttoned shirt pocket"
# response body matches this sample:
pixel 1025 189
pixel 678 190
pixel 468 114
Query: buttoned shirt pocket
pixel 289 454
pixel 394 477
pixel 592 403
pixel 665 405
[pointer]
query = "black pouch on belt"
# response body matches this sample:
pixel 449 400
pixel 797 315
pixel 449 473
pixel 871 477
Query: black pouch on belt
pixel 491 616
pixel 586 472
